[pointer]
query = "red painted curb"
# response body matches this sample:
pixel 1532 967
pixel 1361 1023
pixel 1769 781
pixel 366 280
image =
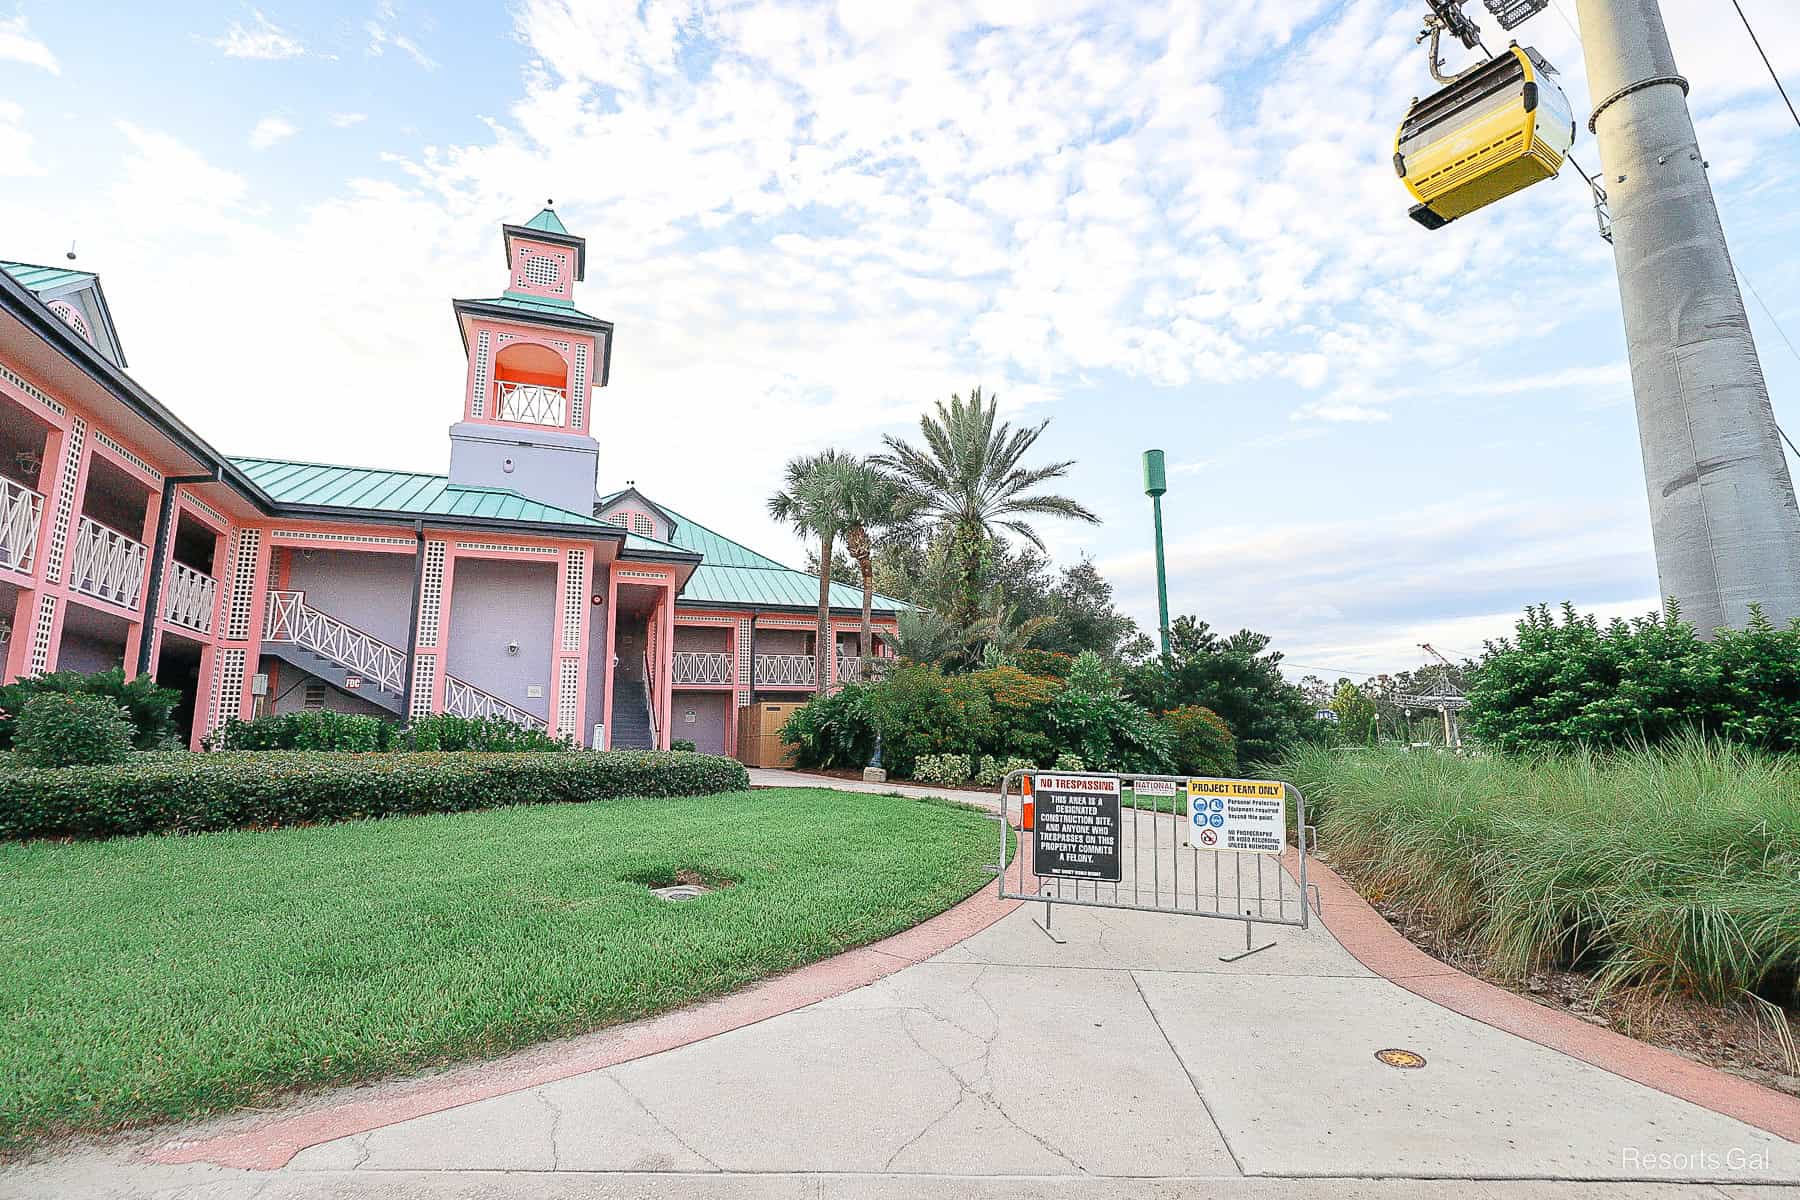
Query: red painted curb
pixel 1366 934
pixel 268 1145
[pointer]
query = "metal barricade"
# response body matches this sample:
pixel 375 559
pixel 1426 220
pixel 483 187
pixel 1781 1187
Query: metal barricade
pixel 1155 871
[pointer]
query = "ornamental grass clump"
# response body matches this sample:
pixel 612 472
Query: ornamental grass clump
pixel 1676 868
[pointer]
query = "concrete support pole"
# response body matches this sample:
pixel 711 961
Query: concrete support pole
pixel 1722 510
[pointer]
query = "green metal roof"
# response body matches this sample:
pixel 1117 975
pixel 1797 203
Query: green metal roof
pixel 408 492
pixel 732 573
pixel 43 279
pixel 539 305
pixel 548 222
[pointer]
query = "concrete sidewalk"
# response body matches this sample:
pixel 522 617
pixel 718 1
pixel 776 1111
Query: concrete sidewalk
pixel 781 777
pixel 1128 1062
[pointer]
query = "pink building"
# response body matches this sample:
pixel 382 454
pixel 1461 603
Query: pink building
pixel 507 587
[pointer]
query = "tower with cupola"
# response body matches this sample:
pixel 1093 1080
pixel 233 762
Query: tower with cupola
pixel 534 364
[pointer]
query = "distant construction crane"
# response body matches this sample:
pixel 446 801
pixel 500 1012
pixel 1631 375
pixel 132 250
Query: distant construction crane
pixel 1445 698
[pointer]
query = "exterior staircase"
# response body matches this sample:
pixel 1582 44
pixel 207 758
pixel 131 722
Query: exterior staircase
pixel 336 651
pixel 631 716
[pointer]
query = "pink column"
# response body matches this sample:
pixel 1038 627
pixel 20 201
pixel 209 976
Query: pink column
pixel 612 621
pixel 665 665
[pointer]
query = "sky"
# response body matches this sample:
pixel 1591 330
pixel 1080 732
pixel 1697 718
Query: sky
pixel 1171 226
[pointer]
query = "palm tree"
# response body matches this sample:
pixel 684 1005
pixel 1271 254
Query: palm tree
pixel 812 503
pixel 872 503
pixel 967 480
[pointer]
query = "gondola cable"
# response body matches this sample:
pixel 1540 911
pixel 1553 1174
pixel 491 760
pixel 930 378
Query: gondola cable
pixel 1757 42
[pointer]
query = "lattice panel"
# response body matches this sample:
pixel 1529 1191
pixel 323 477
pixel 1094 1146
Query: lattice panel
pixel 65 499
pixel 72 317
pixel 574 599
pixel 313 535
pixel 578 388
pixel 540 271
pixel 24 385
pixel 431 592
pixel 567 685
pixel 101 437
pixel 196 502
pixel 478 403
pixel 245 552
pixel 743 659
pixel 505 549
pixel 228 687
pixel 424 684
pixel 40 633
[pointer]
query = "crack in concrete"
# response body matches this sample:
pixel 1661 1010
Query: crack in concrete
pixel 662 1124
pixel 556 1117
pixel 365 1147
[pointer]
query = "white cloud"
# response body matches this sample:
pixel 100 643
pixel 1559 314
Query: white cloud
pixel 263 39
pixel 344 120
pixel 15 144
pixel 382 34
pixel 271 130
pixel 18 45
pixel 1338 413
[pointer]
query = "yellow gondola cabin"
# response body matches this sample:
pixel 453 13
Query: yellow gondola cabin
pixel 1500 128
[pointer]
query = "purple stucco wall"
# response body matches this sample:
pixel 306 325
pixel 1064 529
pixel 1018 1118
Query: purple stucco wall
pixel 370 591
pixel 86 653
pixel 598 616
pixel 493 602
pixel 289 693
pixel 709 710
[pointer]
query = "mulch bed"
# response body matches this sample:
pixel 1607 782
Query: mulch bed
pixel 1732 1038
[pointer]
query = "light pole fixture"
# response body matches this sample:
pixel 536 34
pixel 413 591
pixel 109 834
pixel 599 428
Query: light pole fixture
pixel 1156 482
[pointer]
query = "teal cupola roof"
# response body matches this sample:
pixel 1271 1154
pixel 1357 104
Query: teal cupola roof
pixel 548 222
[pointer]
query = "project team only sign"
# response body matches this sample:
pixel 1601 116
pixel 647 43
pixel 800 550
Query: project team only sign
pixel 1237 814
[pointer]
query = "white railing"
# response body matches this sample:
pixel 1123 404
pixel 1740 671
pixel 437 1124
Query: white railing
pixel 188 598
pixel 650 697
pixel 532 403
pixel 703 667
pixel 21 510
pixel 784 670
pixel 292 619
pixel 107 564
pixel 466 700
pixel 850 668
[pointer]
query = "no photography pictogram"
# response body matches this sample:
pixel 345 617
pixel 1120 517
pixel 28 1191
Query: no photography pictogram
pixel 1209 837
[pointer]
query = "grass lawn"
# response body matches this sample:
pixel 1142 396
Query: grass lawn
pixel 161 977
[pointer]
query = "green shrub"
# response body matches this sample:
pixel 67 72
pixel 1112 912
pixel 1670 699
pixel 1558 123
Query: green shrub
pixel 1050 663
pixel 190 793
pixel 1558 684
pixel 63 729
pixel 314 729
pixel 1093 719
pixel 833 731
pixel 149 708
pixel 1070 762
pixel 1020 706
pixel 451 733
pixel 1671 868
pixel 920 710
pixel 993 770
pixel 1201 742
pixel 684 744
pixel 947 770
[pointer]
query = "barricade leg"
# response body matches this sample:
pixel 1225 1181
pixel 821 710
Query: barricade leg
pixel 1250 946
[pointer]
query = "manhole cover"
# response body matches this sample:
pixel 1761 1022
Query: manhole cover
pixel 1406 1060
pixel 680 891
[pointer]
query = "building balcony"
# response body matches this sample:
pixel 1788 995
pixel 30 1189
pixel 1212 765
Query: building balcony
pixel 784 671
pixel 850 669
pixel 21 514
pixel 107 564
pixel 703 668
pixel 188 597
pixel 532 403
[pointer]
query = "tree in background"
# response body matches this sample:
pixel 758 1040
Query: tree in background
pixel 968 480
pixel 871 503
pixel 1237 677
pixel 1082 616
pixel 812 502
pixel 1356 713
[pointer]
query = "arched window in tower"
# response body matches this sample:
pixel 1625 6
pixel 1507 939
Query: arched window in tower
pixel 531 384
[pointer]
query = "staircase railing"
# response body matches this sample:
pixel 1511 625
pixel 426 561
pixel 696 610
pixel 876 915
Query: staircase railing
pixel 464 699
pixel 292 619
pixel 650 702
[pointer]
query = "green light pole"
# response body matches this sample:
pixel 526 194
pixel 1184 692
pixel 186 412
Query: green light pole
pixel 1156 482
